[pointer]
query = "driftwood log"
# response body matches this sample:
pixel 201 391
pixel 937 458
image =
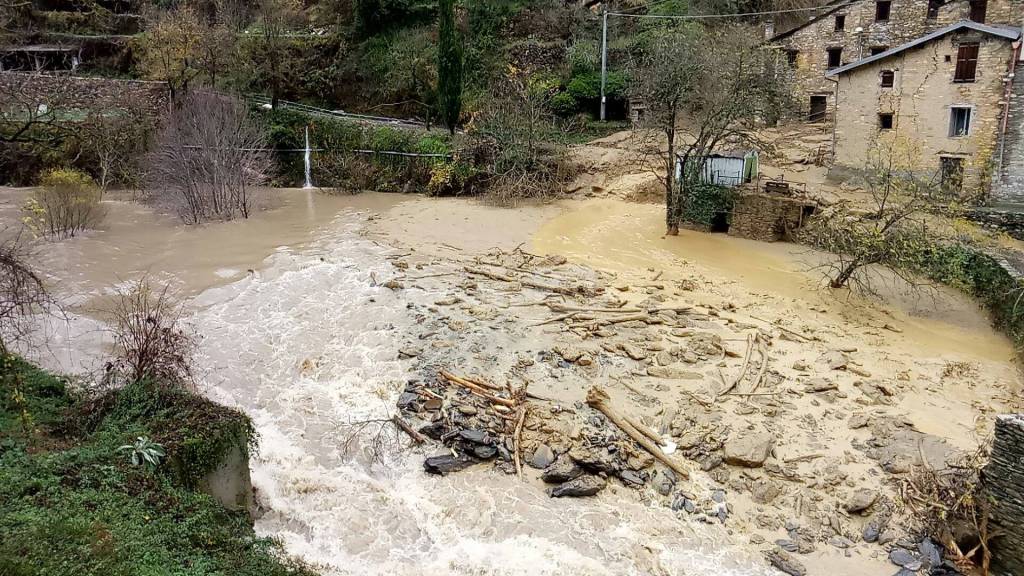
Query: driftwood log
pixel 598 400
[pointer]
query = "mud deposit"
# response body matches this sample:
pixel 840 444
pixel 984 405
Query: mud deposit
pixel 321 314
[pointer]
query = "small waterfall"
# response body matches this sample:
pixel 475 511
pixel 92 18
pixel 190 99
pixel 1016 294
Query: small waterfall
pixel 306 158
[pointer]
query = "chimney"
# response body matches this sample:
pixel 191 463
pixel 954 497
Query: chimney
pixel 769 29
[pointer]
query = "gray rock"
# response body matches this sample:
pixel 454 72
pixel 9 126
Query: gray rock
pixel 664 482
pixel 474 436
pixel 821 385
pixel 632 478
pixel 407 399
pixel 785 562
pixel 870 533
pixel 594 459
pixel 886 537
pixel 542 457
pixel 718 495
pixel 749 449
pixel 860 500
pixel 841 542
pixel 787 545
pixel 485 452
pixel 905 559
pixel 561 470
pixel 582 486
pixel 447 463
pixel 931 554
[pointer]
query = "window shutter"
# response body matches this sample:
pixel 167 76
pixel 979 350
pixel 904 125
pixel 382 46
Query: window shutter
pixel 966 63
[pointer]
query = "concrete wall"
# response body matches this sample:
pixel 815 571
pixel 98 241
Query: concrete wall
pixel 1004 483
pixel 921 97
pixel 1009 184
pixel 907 21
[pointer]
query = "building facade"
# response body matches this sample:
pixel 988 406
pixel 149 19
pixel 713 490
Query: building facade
pixel 848 31
pixel 942 99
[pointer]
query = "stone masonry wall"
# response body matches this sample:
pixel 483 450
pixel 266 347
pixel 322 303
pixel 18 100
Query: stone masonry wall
pixel 71 92
pixel 907 20
pixel 921 97
pixel 767 217
pixel 1004 483
pixel 1009 185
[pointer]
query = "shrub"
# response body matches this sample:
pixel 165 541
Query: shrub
pixel 563 104
pixel 208 158
pixel 702 203
pixel 66 203
pixel 150 341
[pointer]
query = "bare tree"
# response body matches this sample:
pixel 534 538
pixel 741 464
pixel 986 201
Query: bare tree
pixel 115 143
pixel 513 134
pixel 22 294
pixel 276 19
pixel 702 88
pixel 207 159
pixel 892 231
pixel 30 114
pixel 151 342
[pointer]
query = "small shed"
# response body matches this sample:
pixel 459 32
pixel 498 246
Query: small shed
pixel 728 168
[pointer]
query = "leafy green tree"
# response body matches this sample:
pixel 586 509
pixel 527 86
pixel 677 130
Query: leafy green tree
pixel 449 66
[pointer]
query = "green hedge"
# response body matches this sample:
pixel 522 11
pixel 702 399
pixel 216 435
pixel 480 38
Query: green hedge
pixel 981 276
pixel 703 202
pixel 338 165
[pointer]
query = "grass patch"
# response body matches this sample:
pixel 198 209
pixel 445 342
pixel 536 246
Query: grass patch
pixel 70 503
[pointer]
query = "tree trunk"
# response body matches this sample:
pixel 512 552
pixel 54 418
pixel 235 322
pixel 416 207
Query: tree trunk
pixel 671 194
pixel 844 275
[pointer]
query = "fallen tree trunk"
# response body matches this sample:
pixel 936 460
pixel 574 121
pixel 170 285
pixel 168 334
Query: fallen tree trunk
pixel 598 399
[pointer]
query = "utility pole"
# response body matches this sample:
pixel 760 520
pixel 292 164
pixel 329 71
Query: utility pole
pixel 604 58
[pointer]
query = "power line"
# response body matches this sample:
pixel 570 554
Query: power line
pixel 732 15
pixel 604 27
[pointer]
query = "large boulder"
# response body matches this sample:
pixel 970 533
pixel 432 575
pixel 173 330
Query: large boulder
pixel 582 486
pixel 748 448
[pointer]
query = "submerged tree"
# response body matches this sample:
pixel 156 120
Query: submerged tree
pixel 449 66
pixel 208 157
pixel 22 294
pixel 701 89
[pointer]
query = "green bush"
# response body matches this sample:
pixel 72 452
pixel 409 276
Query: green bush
pixel 65 203
pixel 563 104
pixel 702 203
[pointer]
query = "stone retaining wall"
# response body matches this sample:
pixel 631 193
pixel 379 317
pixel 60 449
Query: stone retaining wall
pixel 1004 482
pixel 768 217
pixel 73 92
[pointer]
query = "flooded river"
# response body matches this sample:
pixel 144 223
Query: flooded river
pixel 294 332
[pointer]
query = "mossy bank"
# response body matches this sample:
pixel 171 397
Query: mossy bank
pixel 72 502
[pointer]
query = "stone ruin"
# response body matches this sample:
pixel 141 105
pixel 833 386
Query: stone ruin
pixel 1004 484
pixel 768 216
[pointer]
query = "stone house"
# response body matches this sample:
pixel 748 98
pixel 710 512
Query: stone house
pixel 849 30
pixel 944 97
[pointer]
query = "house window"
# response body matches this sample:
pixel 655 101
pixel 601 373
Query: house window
pixel 933 9
pixel 840 22
pixel 978 9
pixel 791 56
pixel 835 57
pixel 888 78
pixel 882 10
pixel 959 121
pixel 966 62
pixel 952 173
pixel 878 49
pixel 885 121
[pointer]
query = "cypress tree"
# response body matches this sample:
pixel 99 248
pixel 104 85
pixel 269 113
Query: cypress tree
pixel 449 66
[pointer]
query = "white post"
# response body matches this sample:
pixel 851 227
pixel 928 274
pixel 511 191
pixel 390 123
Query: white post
pixel 604 59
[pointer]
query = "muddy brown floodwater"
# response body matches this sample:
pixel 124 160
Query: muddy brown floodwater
pixel 295 332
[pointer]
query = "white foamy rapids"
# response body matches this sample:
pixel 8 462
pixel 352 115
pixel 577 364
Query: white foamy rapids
pixel 307 345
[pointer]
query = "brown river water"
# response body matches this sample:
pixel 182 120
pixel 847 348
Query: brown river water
pixel 291 284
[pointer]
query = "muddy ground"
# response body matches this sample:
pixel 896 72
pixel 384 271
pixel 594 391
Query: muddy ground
pixel 796 411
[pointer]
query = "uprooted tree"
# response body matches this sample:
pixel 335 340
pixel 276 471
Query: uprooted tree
pixel 702 88
pixel 891 232
pixel 207 159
